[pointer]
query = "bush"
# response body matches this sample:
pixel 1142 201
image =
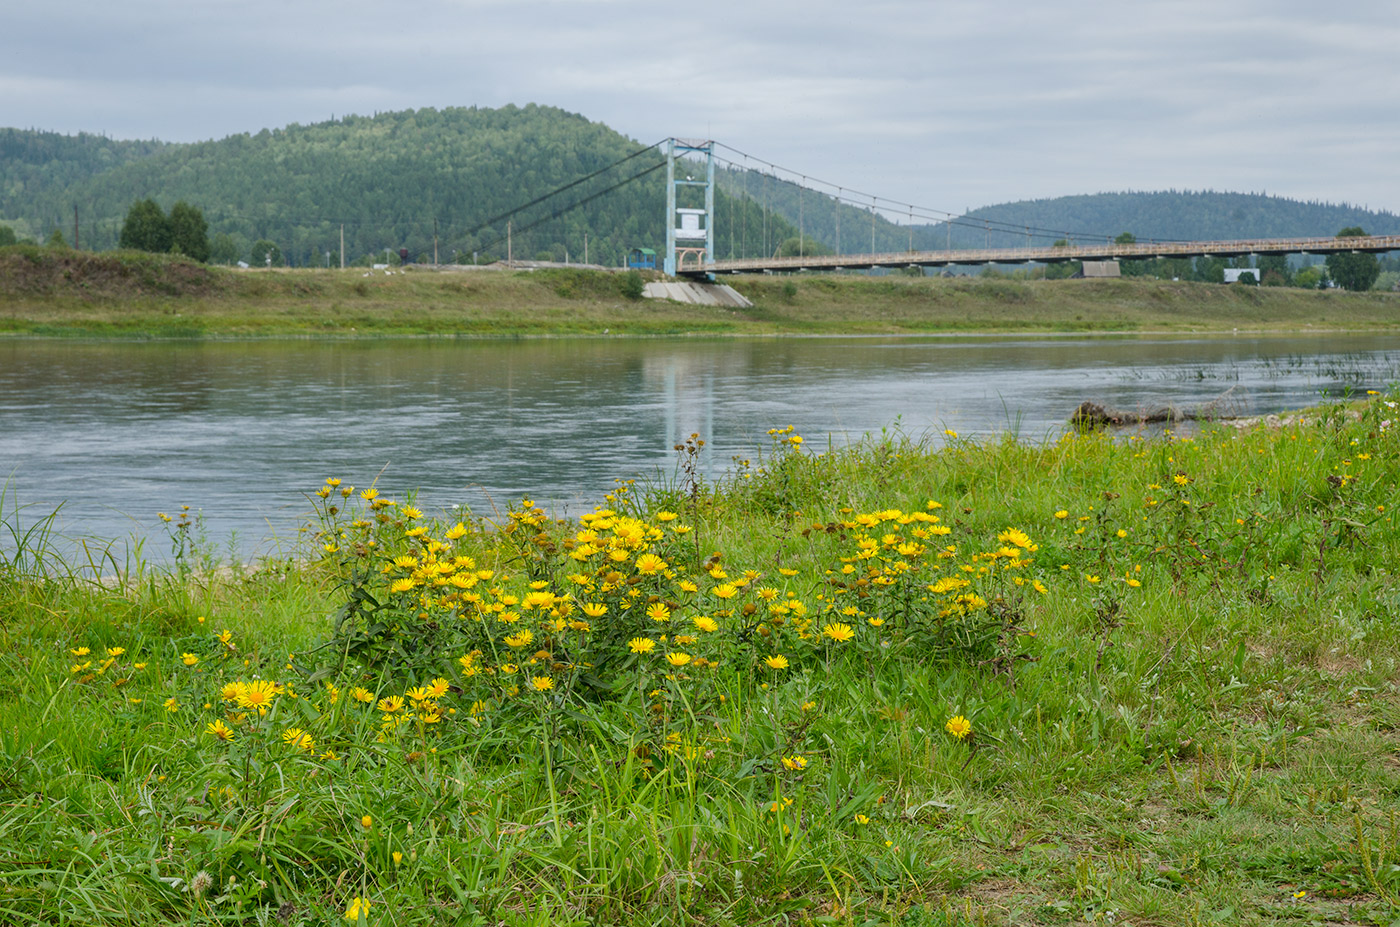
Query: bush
pixel 632 285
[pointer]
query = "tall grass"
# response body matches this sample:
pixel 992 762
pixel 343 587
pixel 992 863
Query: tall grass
pixel 1195 722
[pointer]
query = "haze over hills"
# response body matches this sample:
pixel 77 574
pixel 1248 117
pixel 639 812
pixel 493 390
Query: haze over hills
pixel 404 179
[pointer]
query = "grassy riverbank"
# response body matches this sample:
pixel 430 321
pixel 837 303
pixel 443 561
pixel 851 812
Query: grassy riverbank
pixel 1146 681
pixel 55 292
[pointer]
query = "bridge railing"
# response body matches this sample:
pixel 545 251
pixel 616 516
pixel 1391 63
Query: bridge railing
pixel 1053 254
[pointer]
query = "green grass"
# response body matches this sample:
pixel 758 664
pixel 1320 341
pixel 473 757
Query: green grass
pixel 60 293
pixel 1197 721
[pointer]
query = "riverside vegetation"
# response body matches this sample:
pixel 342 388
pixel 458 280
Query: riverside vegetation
pixel 1149 680
pixel 61 292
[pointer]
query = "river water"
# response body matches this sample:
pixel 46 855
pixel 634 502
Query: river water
pixel 115 432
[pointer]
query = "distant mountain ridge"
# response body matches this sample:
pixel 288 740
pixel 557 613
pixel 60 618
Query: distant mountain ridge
pixel 430 179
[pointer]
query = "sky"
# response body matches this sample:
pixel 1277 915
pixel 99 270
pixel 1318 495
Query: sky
pixel 945 105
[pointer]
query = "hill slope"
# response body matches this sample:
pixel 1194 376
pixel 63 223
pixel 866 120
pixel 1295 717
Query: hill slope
pixel 392 180
pixel 413 178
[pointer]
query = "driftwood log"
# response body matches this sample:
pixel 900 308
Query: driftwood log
pixel 1094 415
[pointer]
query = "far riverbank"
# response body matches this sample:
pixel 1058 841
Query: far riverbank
pixel 62 293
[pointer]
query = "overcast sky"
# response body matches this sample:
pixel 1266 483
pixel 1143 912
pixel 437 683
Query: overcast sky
pixel 949 105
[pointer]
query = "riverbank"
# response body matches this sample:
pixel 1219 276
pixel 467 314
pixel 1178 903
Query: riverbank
pixel 59 293
pixel 1143 681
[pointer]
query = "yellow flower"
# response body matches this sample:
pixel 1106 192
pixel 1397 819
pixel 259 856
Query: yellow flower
pixel 171 704
pixel 369 494
pixel 658 612
pixel 641 645
pixel 676 658
pixel 362 695
pixel 725 591
pixel 595 609
pixel 838 632
pixel 649 564
pixel 419 694
pixel 521 638
pixel 706 623
pixel 666 516
pixel 410 512
pixel 366 822
pixel 959 727
pixel 1015 536
pixel 861 819
pixel 296 737
pixel 542 683
pixel 189 659
pixel 391 704
pixel 1062 513
pixel 258 695
pixel 115 651
pixel 220 730
pixel 439 687
pixel 794 762
pixel 358 909
pixel 777 662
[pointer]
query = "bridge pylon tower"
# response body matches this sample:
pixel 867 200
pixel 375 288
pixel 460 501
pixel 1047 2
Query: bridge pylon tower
pixel 689 229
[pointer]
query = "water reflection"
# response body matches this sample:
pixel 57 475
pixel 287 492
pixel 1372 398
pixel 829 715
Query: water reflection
pixel 118 431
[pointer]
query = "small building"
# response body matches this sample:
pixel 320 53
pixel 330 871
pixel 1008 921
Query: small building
pixel 1233 274
pixel 641 259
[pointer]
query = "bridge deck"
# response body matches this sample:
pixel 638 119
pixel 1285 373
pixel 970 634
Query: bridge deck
pixel 1050 255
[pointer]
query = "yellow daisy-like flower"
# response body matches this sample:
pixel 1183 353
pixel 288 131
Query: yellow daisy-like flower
pixel 410 512
pixel 115 651
pixel 189 659
pixel 1015 536
pixel 542 683
pixel 521 638
pixel 296 737
pixel 650 564
pixel 405 584
pixel 838 632
pixel 362 695
pixel 258 695
pixel 676 658
pixel 439 687
pixel 1062 513
pixel 959 727
pixel 725 591
pixel 391 704
pixel 80 651
pixel 658 612
pixel 794 762
pixel 357 909
pixel 641 645
pixel 220 730
pixel 777 662
pixel 705 623
pixel 419 694
pixel 171 704
pixel 595 609
pixel 367 822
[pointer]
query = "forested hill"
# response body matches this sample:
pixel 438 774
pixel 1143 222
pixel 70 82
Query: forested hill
pixel 410 179
pixel 391 180
pixel 1169 215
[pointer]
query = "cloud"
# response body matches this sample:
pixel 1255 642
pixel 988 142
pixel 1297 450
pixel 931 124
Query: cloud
pixel 946 104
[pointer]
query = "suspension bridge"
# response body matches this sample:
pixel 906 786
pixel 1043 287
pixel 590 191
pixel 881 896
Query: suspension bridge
pixel 692 231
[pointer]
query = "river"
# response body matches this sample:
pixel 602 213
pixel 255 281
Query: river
pixel 115 432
